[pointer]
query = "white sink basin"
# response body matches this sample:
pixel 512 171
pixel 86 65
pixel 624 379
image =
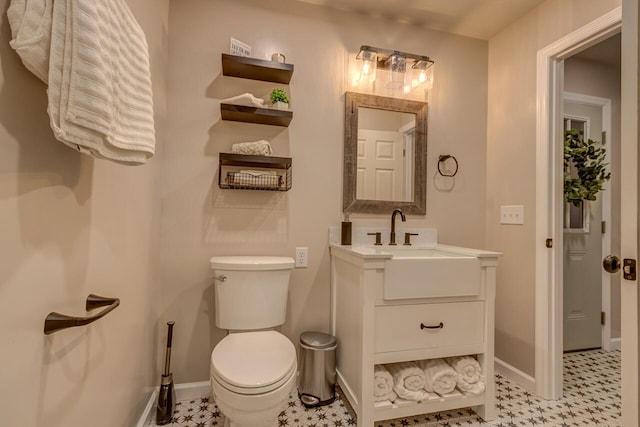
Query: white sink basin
pixel 429 273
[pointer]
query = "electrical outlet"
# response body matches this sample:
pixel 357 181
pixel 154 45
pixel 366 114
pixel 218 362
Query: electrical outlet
pixel 302 257
pixel 512 214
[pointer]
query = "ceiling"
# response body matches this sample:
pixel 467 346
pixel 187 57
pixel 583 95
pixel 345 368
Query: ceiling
pixel 472 18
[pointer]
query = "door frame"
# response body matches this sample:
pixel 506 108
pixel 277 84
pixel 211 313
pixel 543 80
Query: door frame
pixel 408 132
pixel 605 105
pixel 549 200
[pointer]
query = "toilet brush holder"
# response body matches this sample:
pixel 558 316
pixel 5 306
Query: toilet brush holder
pixel 166 401
pixel 167 394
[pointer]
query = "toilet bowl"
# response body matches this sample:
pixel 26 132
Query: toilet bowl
pixel 252 375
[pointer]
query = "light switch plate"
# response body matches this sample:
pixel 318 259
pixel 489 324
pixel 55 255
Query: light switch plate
pixel 513 214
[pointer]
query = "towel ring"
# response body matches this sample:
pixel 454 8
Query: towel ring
pixel 444 158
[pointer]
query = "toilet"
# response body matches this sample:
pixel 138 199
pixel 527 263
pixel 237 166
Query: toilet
pixel 253 368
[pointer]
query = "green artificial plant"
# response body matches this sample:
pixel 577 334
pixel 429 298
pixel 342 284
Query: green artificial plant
pixel 279 95
pixel 587 159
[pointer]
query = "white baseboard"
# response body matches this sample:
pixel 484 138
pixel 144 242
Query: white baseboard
pixel 516 375
pixel 615 343
pixel 147 414
pixel 351 397
pixel 186 391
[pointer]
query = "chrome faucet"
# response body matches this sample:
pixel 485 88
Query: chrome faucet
pixel 392 238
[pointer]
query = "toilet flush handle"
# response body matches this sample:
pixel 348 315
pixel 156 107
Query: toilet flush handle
pixel 221 278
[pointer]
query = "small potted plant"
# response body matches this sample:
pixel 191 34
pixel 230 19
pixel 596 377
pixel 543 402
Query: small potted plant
pixel 279 99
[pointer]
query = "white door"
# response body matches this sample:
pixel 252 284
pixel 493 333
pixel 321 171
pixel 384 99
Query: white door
pixel 582 249
pixel 630 221
pixel 380 174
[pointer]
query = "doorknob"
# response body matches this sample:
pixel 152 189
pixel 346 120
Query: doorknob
pixel 611 264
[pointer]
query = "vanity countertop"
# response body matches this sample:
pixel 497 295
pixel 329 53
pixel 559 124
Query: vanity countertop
pixel 426 238
pixel 387 252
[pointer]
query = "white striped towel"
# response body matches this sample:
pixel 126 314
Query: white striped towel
pixel 30 22
pixel 439 376
pixel 100 99
pixel 382 384
pixel 408 380
pixel 470 378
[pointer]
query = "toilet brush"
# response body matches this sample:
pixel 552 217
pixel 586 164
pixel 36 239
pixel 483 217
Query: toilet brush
pixel 167 395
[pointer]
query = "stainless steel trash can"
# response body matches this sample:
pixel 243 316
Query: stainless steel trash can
pixel 317 368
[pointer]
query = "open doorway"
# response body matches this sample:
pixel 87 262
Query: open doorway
pixel 591 230
pixel 549 192
pixel 550 212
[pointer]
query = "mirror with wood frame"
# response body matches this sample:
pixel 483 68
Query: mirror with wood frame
pixel 385 155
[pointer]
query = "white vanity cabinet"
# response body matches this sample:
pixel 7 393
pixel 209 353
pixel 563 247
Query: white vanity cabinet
pixel 373 330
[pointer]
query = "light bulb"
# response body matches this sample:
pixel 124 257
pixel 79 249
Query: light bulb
pixel 368 68
pixel 423 72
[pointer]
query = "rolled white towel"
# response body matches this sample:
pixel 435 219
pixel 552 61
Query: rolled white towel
pixel 382 384
pixel 475 388
pixel 408 380
pixel 467 367
pixel 256 148
pixel 246 99
pixel 470 378
pixel 439 376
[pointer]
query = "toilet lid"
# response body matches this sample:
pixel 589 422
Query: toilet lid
pixel 253 359
pixel 262 263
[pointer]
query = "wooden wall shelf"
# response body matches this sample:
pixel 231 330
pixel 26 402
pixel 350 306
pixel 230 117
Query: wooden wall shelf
pixel 247 160
pixel 256 69
pixel 263 116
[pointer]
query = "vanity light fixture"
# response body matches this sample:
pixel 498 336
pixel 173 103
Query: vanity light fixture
pixel 395 63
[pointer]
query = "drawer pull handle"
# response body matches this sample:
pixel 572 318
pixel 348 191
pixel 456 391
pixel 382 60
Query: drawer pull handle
pixel 440 326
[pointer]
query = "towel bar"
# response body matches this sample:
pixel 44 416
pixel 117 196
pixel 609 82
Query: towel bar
pixel 55 321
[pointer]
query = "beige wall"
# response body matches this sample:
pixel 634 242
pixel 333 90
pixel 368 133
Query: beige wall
pixel 199 220
pixel 71 226
pixel 603 80
pixel 511 151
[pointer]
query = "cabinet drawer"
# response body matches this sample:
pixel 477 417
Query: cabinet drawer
pixel 397 327
pixel 436 277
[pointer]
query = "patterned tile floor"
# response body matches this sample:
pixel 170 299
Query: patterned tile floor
pixel 591 388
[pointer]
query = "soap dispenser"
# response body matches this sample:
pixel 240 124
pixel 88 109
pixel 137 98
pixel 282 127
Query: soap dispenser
pixel 345 237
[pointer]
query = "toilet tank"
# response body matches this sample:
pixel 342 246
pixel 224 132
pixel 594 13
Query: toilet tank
pixel 251 291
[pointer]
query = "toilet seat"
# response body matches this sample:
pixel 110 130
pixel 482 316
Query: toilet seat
pixel 253 391
pixel 253 362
